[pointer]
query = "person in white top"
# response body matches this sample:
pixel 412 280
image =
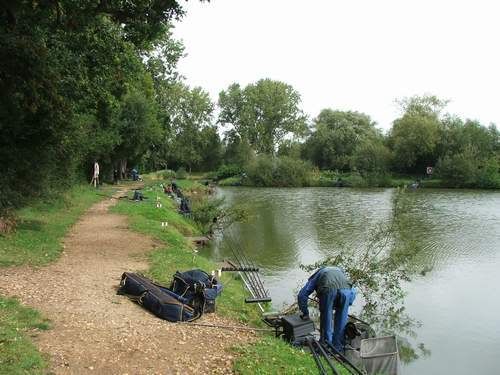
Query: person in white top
pixel 95 176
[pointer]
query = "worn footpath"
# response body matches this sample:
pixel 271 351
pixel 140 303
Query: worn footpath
pixel 96 331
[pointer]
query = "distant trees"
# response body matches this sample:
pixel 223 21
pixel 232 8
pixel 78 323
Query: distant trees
pixel 137 127
pixel 237 150
pixel 263 113
pixel 188 119
pixel 465 153
pixel 415 135
pixel 338 135
pixel 469 154
pixel 98 80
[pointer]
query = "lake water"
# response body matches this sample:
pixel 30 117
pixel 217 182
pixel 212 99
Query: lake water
pixel 457 300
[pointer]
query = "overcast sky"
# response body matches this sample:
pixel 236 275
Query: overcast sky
pixel 350 55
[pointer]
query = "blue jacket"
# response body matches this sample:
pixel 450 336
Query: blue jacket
pixel 325 278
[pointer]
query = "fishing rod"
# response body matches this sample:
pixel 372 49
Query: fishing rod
pixel 261 292
pixel 315 355
pixel 248 273
pixel 253 279
pixel 260 289
pixel 317 350
pixel 338 356
pixel 227 327
pixel 239 269
pixel 264 292
pixel 241 265
pixel 238 259
pixel 245 280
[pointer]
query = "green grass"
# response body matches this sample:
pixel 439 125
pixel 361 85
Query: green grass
pixel 18 355
pixel 274 356
pixel 41 226
pixel 231 181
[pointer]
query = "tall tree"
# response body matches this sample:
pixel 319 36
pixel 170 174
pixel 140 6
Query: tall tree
pixel 237 151
pixel 415 135
pixel 264 113
pixel 335 137
pixel 138 128
pixel 187 112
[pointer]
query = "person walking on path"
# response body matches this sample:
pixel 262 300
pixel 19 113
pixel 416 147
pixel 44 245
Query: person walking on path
pixel 95 176
pixel 335 292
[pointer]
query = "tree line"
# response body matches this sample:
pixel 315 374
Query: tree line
pixel 97 80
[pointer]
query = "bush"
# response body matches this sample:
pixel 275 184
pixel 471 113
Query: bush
pixel 283 171
pixel 181 173
pixel 371 156
pixel 8 221
pixel 355 180
pixel 204 211
pixel 292 172
pixel 230 181
pixel 488 176
pixel 229 170
pixel 259 172
pixel 465 169
pixel 378 179
pixel 167 174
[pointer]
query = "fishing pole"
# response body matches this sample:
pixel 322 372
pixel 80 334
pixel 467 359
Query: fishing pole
pixel 249 275
pixel 263 291
pixel 245 281
pixel 241 264
pixel 315 355
pixel 325 355
pixel 343 360
pixel 260 288
pixel 227 327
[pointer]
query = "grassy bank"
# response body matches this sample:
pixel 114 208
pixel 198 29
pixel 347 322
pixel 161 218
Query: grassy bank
pixel 36 242
pixel 177 253
pixel 274 356
pixel 18 355
pixel 332 179
pixel 42 225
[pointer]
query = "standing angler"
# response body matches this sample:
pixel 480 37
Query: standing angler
pixel 335 292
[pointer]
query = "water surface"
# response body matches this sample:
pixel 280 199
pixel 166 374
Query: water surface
pixel 457 301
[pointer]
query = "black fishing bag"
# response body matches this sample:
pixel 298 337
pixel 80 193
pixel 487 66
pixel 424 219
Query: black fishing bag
pixel 198 288
pixel 161 301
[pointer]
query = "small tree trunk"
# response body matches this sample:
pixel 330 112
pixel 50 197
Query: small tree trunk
pixel 123 169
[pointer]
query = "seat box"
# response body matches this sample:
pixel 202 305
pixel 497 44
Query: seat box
pixel 295 328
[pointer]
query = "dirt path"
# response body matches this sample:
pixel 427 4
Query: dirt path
pixel 96 331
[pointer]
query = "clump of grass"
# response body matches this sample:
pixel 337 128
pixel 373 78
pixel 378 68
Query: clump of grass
pixel 41 226
pixel 274 356
pixel 17 353
pixel 230 181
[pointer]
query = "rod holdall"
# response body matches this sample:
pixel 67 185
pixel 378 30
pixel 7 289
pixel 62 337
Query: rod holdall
pixel 198 287
pixel 161 301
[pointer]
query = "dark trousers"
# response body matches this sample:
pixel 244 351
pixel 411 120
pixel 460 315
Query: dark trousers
pixel 332 329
